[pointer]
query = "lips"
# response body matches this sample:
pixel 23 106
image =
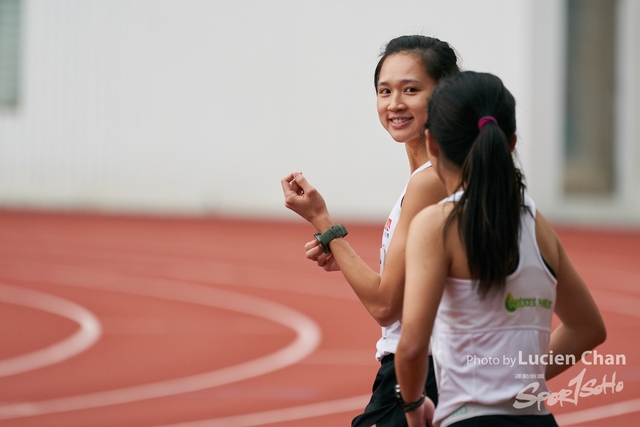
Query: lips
pixel 400 121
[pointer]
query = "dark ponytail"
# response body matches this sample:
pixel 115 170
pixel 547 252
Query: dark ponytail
pixel 488 211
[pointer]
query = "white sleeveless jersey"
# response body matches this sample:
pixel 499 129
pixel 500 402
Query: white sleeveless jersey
pixel 391 334
pixel 479 344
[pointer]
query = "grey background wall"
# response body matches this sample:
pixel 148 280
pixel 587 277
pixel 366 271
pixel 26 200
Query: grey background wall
pixel 200 107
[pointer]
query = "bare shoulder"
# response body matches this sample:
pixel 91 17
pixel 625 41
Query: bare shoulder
pixel 427 187
pixel 431 218
pixel 426 178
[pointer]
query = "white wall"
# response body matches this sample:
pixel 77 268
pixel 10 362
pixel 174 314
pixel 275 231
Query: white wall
pixel 545 159
pixel 201 106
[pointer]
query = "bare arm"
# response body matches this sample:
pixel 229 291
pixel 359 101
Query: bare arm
pixel 380 294
pixel 582 327
pixel 427 267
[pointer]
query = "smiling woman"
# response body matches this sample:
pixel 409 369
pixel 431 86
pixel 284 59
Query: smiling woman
pixel 403 90
pixel 404 78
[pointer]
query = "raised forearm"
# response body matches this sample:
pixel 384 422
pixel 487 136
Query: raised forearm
pixel 382 303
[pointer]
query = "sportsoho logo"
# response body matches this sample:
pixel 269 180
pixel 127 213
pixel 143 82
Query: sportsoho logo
pixel 579 387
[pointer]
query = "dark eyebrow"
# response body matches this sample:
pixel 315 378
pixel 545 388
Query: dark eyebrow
pixel 405 81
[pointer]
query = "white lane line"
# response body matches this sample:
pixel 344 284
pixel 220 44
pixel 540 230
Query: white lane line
pixel 308 338
pixel 608 301
pixel 613 303
pixel 88 334
pixel 281 415
pixel 231 274
pixel 598 413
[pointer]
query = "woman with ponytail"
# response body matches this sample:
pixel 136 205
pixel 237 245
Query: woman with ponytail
pixel 408 70
pixel 484 273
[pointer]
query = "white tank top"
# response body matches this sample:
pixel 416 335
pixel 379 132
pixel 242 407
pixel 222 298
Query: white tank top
pixel 391 334
pixel 514 324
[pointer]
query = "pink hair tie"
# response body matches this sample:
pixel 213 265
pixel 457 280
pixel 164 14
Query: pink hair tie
pixel 484 120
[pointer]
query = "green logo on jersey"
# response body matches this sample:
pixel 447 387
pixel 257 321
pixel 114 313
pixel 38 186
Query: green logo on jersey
pixel 511 304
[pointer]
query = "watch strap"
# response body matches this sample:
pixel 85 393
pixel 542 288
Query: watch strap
pixel 407 406
pixel 334 232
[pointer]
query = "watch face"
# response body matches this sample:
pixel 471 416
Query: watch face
pixel 324 246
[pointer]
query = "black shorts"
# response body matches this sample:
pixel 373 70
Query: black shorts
pixel 382 409
pixel 508 421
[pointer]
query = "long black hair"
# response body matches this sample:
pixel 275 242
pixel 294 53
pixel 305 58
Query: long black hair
pixel 488 211
pixel 438 57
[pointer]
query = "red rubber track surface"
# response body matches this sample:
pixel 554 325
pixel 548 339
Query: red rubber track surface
pixel 181 301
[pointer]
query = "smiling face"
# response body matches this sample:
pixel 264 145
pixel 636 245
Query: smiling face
pixel 403 91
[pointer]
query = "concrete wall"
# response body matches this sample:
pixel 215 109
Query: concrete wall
pixel 547 86
pixel 200 107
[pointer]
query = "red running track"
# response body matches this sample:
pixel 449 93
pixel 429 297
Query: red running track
pixel 146 321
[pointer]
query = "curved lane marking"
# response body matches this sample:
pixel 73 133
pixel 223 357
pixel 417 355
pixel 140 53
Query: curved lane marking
pixel 278 415
pixel 610 301
pixel 281 415
pixel 308 336
pixel 88 334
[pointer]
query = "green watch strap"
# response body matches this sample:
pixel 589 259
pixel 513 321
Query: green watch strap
pixel 334 232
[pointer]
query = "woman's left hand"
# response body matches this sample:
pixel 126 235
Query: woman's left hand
pixel 322 258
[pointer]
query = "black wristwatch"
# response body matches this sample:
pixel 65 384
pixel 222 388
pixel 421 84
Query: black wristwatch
pixel 407 406
pixel 332 233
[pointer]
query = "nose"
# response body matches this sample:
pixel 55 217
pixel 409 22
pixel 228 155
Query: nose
pixel 396 102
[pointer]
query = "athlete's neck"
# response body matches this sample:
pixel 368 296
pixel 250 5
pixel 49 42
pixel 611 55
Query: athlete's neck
pixel 451 180
pixel 417 153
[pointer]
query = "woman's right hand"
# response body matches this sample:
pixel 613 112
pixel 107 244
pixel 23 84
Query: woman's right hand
pixel 302 198
pixel 421 416
pixel 322 258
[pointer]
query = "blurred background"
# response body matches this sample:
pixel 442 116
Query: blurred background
pixel 142 143
pixel 198 107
